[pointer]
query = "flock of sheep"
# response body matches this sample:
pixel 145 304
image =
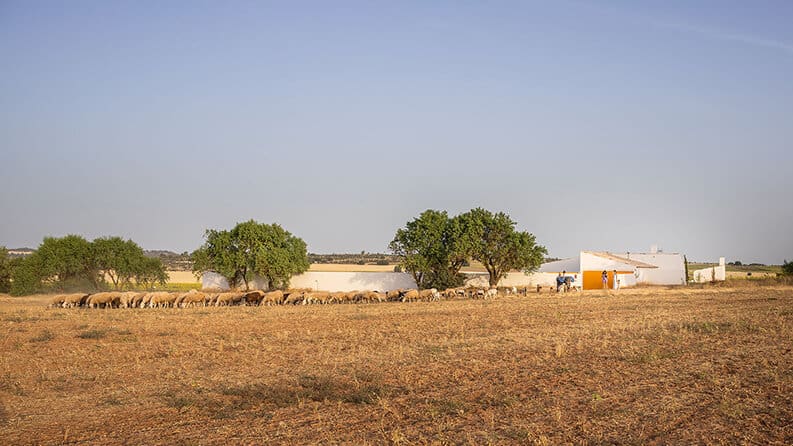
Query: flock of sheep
pixel 164 299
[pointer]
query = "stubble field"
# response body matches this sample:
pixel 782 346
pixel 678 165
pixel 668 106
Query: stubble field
pixel 643 366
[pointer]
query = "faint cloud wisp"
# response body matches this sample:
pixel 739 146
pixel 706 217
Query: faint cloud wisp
pixel 731 37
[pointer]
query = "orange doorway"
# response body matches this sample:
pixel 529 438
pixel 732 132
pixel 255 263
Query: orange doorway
pixel 592 280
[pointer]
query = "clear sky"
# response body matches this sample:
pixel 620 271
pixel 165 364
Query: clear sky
pixel 595 125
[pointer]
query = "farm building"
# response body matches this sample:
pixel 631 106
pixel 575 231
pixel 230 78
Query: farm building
pixel 655 268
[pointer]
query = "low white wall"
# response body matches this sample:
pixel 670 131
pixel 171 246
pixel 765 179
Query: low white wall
pixel 351 281
pixel 626 280
pixel 712 274
pixel 517 278
pixel 214 281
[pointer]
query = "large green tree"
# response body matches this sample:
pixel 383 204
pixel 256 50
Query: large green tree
pixel 420 246
pixel 150 272
pixel 118 260
pixel 433 248
pixel 66 262
pixel 498 246
pixel 73 263
pixel 251 249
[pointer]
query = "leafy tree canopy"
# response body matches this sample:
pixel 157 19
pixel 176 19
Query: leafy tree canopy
pixel 118 259
pixel 434 247
pixel 499 247
pixel 73 263
pixel 251 249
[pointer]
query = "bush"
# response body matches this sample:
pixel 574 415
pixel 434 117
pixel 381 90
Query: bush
pixel 26 279
pixel 5 270
pixel 787 268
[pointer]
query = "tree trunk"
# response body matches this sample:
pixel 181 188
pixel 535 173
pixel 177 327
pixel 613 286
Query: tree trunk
pixel 494 275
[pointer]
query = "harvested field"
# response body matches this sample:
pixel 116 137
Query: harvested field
pixel 644 366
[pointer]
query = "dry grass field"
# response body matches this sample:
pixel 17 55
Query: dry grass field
pixel 643 366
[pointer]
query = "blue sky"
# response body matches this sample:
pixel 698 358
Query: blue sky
pixel 595 125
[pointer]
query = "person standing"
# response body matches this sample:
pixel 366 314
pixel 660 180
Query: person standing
pixel 616 281
pixel 604 277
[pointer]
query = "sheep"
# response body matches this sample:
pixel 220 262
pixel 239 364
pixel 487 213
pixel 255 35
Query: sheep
pixel 136 301
pixel 375 296
pixel 410 296
pixel 74 300
pixel 350 296
pixel 145 301
pixel 336 297
pixel 394 295
pixel 293 297
pixel 229 298
pixel 319 297
pixel 56 301
pixel 212 298
pixel 492 292
pixel 192 298
pixel 429 294
pixel 108 300
pixel 253 297
pixel 162 299
pixel 127 299
pixel 273 298
pixel 179 298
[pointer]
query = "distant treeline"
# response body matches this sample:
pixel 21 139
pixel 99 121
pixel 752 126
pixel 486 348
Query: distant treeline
pixel 362 258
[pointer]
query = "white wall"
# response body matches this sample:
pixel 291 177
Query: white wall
pixel 350 281
pixel 671 268
pixel 714 273
pixel 325 281
pixel 517 279
pixel 627 280
pixel 214 281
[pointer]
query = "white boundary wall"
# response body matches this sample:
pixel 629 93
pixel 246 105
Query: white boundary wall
pixel 352 281
pixel 325 281
pixel 214 281
pixel 712 274
pixel 516 278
